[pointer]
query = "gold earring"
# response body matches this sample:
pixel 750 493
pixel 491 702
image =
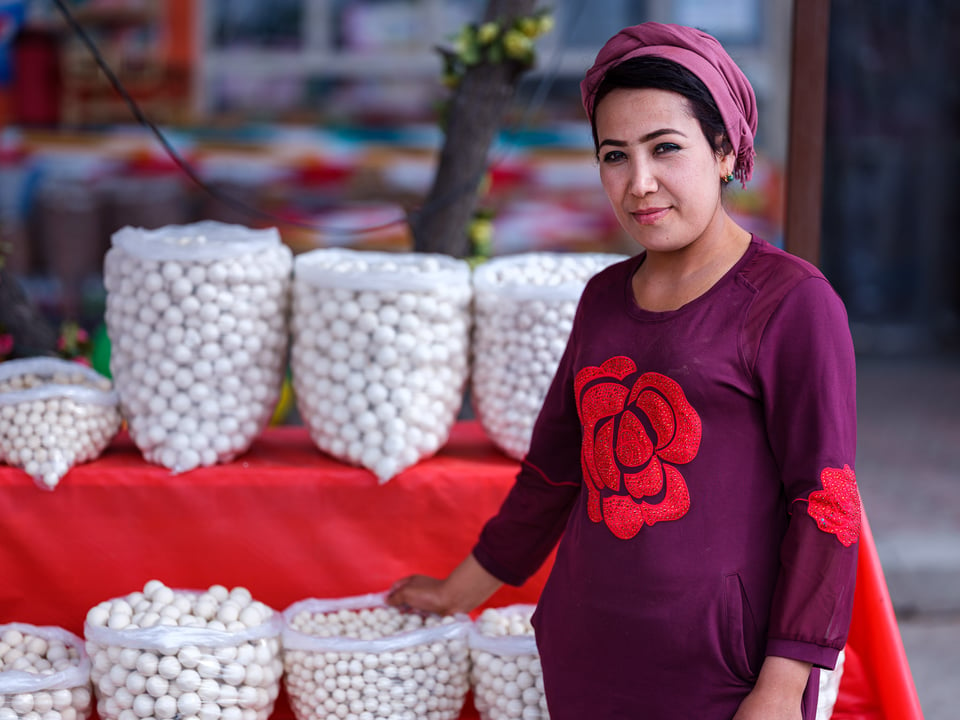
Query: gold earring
pixel 727 178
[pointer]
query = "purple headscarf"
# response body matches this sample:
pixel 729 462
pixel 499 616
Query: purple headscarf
pixel 702 55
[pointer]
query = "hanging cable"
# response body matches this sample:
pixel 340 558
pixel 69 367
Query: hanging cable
pixel 237 204
pixel 182 164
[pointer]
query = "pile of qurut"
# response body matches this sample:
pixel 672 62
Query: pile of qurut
pixel 163 653
pixel 197 319
pixel 356 658
pixel 54 414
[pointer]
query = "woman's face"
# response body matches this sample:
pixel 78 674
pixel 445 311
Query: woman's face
pixel 657 168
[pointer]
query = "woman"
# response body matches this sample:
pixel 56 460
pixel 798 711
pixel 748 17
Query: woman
pixel 695 449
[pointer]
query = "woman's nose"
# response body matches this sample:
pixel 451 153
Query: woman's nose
pixel 642 179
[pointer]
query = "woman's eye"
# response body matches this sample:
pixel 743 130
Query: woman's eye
pixel 614 156
pixel 665 148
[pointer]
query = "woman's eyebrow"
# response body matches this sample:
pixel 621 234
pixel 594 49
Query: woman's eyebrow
pixel 646 138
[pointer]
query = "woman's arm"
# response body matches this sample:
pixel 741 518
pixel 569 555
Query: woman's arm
pixel 516 541
pixel 464 589
pixel 807 369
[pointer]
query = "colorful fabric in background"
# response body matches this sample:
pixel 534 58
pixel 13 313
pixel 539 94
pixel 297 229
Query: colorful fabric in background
pixel 11 18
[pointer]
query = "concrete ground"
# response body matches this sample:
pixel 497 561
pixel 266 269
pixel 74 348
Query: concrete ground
pixel 908 470
pixel 932 643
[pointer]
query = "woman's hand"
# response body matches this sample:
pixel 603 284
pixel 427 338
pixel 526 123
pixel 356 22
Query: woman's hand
pixel 759 706
pixel 420 593
pixel 463 590
pixel 778 694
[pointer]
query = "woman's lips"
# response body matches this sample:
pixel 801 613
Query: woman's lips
pixel 650 216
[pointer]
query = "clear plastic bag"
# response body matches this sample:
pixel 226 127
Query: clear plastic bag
pixel 55 684
pixel 422 669
pixel 523 312
pixel 197 320
pixel 380 353
pixel 172 671
pixel 54 415
pixel 505 674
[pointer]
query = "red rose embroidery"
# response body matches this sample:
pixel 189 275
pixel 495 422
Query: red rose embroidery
pixel 634 434
pixel 836 508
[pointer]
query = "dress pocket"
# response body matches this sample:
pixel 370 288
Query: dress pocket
pixel 741 641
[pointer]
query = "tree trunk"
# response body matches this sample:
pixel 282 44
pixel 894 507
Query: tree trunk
pixel 32 334
pixel 476 110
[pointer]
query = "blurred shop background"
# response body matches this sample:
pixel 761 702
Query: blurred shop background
pixel 323 113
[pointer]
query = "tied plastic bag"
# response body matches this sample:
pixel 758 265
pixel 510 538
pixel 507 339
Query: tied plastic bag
pixel 524 309
pixel 206 668
pixel 380 352
pixel 830 689
pixel 197 320
pixel 44 672
pixel 505 675
pixel 54 414
pixel 403 664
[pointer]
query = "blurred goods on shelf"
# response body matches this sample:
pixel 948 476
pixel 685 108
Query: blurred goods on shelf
pixel 147 45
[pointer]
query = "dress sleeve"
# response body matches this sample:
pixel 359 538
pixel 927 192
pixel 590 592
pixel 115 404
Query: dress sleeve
pixel 516 541
pixel 807 373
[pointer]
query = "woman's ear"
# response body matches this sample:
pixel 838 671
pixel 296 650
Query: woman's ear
pixel 727 164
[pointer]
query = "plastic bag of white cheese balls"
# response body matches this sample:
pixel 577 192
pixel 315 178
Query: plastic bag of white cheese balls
pixel 165 654
pixel 505 673
pixel 380 353
pixel 197 320
pixel 524 307
pixel 54 414
pixel 44 674
pixel 358 658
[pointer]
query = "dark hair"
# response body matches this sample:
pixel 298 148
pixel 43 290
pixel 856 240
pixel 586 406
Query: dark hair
pixel 649 71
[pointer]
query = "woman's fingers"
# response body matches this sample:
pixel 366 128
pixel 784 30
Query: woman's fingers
pixel 418 592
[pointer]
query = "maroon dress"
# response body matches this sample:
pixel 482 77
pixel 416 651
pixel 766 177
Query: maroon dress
pixel 698 465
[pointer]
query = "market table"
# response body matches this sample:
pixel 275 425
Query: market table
pixel 288 522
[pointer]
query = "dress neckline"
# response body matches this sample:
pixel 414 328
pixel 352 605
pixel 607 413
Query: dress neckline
pixel 636 311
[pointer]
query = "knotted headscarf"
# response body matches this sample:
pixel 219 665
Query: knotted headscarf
pixel 702 55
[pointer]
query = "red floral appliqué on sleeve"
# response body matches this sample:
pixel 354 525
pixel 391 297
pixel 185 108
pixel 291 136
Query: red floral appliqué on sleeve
pixel 635 431
pixel 836 508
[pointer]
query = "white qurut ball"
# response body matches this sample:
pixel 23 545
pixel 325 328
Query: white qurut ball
pixel 374 662
pixel 523 311
pixel 197 319
pixel 219 657
pixel 54 414
pixel 55 658
pixel 380 353
pixel 505 673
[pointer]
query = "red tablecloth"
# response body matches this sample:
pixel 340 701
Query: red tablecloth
pixel 288 523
